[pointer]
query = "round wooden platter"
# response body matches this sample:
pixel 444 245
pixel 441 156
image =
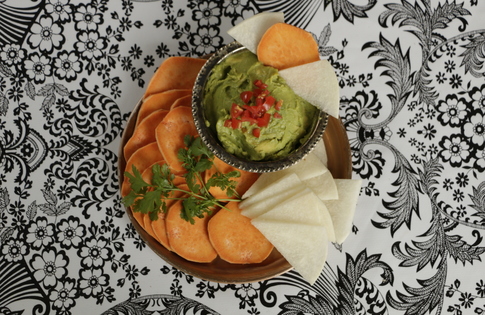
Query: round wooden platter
pixel 339 164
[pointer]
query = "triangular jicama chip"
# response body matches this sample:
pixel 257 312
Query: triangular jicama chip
pixel 304 208
pixel 303 246
pixel 309 167
pixel 321 152
pixel 256 209
pixel 342 210
pixel 323 186
pixel 322 90
pixel 249 32
pixel 301 208
pixel 261 183
pixel 276 188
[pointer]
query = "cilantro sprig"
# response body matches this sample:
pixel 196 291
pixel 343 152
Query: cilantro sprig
pixel 196 158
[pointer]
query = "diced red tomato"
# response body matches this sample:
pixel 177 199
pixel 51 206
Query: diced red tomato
pixel 235 123
pixel 247 116
pixel 278 105
pixel 260 84
pixel 254 111
pixel 256 132
pixel 263 94
pixel 264 120
pixel 269 100
pixel 236 110
pixel 257 92
pixel 246 96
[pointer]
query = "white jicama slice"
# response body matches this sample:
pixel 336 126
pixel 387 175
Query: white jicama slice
pixel 322 90
pixel 323 186
pixel 309 167
pixel 327 221
pixel 254 210
pixel 321 152
pixel 249 32
pixel 262 182
pixel 304 246
pixel 342 210
pixel 275 188
pixel 304 208
pixel 299 208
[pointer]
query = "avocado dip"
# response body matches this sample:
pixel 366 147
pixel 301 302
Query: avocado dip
pixel 230 102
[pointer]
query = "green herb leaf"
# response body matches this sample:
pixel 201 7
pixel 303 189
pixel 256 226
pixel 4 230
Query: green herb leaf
pixel 136 180
pixel 196 159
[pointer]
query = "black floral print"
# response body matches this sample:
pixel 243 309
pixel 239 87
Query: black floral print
pixel 412 102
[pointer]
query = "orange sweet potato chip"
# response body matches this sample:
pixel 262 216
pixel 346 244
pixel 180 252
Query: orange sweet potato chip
pixel 159 226
pixel 141 159
pixel 243 182
pixel 147 225
pixel 190 241
pixel 183 101
pixel 235 239
pixel 162 100
pixel 175 73
pixel 144 133
pixel 139 218
pixel 170 135
pixel 284 46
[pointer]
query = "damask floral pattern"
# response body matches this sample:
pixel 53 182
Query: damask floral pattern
pixel 412 102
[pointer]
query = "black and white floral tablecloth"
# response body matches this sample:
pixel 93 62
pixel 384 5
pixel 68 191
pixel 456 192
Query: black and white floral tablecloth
pixel 412 101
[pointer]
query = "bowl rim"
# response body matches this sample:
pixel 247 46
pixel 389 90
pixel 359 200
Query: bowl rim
pixel 211 141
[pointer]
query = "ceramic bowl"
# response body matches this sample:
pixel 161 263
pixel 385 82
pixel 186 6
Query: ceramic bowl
pixel 209 137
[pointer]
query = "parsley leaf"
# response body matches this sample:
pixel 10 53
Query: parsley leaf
pixel 196 158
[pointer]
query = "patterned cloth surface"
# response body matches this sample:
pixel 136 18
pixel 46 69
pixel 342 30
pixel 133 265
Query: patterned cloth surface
pixel 412 102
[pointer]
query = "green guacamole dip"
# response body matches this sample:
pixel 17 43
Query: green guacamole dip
pixel 237 73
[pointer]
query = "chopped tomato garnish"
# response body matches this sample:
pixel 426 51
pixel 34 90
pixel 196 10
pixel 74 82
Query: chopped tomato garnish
pixel 235 123
pixel 254 111
pixel 256 132
pixel 278 105
pixel 260 84
pixel 257 92
pixel 247 116
pixel 269 100
pixel 246 96
pixel 255 107
pixel 263 94
pixel 236 110
pixel 264 120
